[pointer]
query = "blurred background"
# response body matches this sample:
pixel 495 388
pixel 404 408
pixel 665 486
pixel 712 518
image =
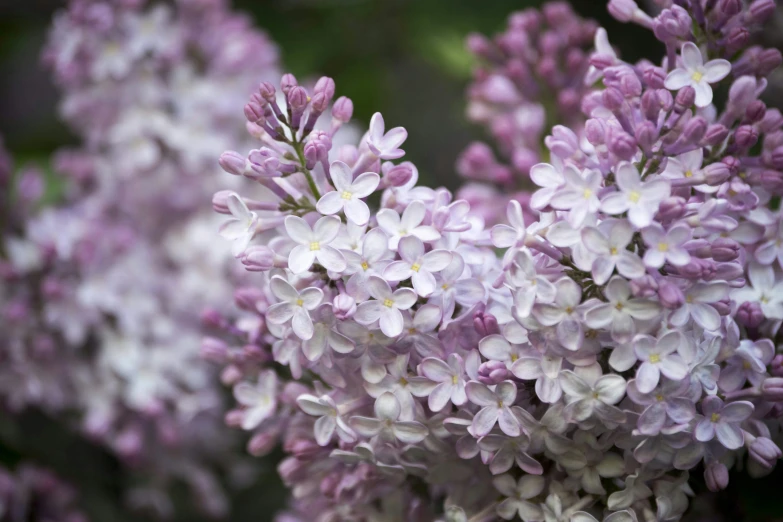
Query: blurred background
pixel 404 58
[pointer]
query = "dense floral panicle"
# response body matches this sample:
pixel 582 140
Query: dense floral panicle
pixel 36 494
pixel 101 313
pixel 624 333
pixel 531 74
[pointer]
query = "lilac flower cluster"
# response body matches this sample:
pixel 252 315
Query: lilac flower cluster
pixel 101 313
pixel 625 334
pixel 531 76
pixel 35 494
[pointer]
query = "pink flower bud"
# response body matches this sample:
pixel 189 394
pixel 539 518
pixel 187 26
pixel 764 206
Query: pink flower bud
pixel 214 349
pixel 398 175
pixel 716 475
pixel 288 82
pixel 684 99
pixel 772 388
pixel 765 452
pixel 220 201
pixel 670 295
pixel 746 136
pixel 343 306
pixel 232 162
pixel 258 258
pixel 725 249
pixel 485 324
pixel 716 133
pixel 326 87
pixel 342 109
pixel 267 91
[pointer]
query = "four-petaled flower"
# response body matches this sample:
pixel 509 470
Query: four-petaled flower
pixel 417 265
pixel 639 199
pixel 348 193
pixel 314 244
pixel 495 408
pixel 409 224
pixel 723 421
pixel 386 425
pixel 697 74
pixel 242 227
pixel 385 145
pixel 386 306
pixel 294 306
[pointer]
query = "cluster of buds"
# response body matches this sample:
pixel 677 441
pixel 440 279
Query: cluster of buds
pixel 103 290
pixel 626 334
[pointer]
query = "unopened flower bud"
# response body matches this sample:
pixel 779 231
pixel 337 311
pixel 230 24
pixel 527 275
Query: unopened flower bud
pixel 622 144
pixel 622 10
pixel 325 86
pixel 716 476
pixel 746 136
pixel 768 61
pixel 613 99
pixel 267 91
pixel 646 135
pixel 645 286
pixel 254 112
pixel 258 258
pixel 725 249
pixel 214 349
pixel 493 372
pixel 654 77
pixel 288 82
pixel 398 175
pixel 761 11
pixel 671 208
pixel 716 173
pixel 233 162
pixel 485 324
pixel 684 99
pixel 230 375
pixel 342 109
pixel 220 201
pixel 764 451
pixel 248 298
pixel 716 134
pixel 670 295
pixel 730 8
pixel 772 388
pixel 343 306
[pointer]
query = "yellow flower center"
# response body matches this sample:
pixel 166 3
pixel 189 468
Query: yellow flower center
pixel 403 381
pixel 697 76
pixel 634 196
pixel 365 266
pixel 587 194
pixel 689 299
pixel 444 286
pixel 655 358
pixel 315 245
pixel 688 173
pixel 613 251
pixel 569 310
pixel 514 357
pixel 715 417
pixel 663 247
pixel 388 303
pixel 454 379
pixel 346 195
pixel 659 398
pixel 745 365
pixel 299 302
pixel 619 307
pixel 415 267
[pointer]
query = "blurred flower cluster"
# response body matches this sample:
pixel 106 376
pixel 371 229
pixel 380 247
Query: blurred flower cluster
pixel 575 359
pixel 102 292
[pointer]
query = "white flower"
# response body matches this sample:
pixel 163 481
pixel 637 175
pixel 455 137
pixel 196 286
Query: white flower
pixel 409 224
pixel 329 419
pixel 528 286
pixel 260 400
pixel 348 193
pixel 314 244
pixel 294 306
pixel 698 299
pixel 599 397
pixel 640 200
pixel 659 356
pixel 511 236
pixel 374 257
pixel 241 229
pixel 385 145
pixel 763 289
pixel 620 311
pixel 450 378
pixel 386 426
pixel 609 244
pixel 697 74
pixel 564 312
pixel 417 266
pixel 325 334
pixel 666 246
pixel 579 195
pixel 495 408
pixel 386 306
pixel 518 495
